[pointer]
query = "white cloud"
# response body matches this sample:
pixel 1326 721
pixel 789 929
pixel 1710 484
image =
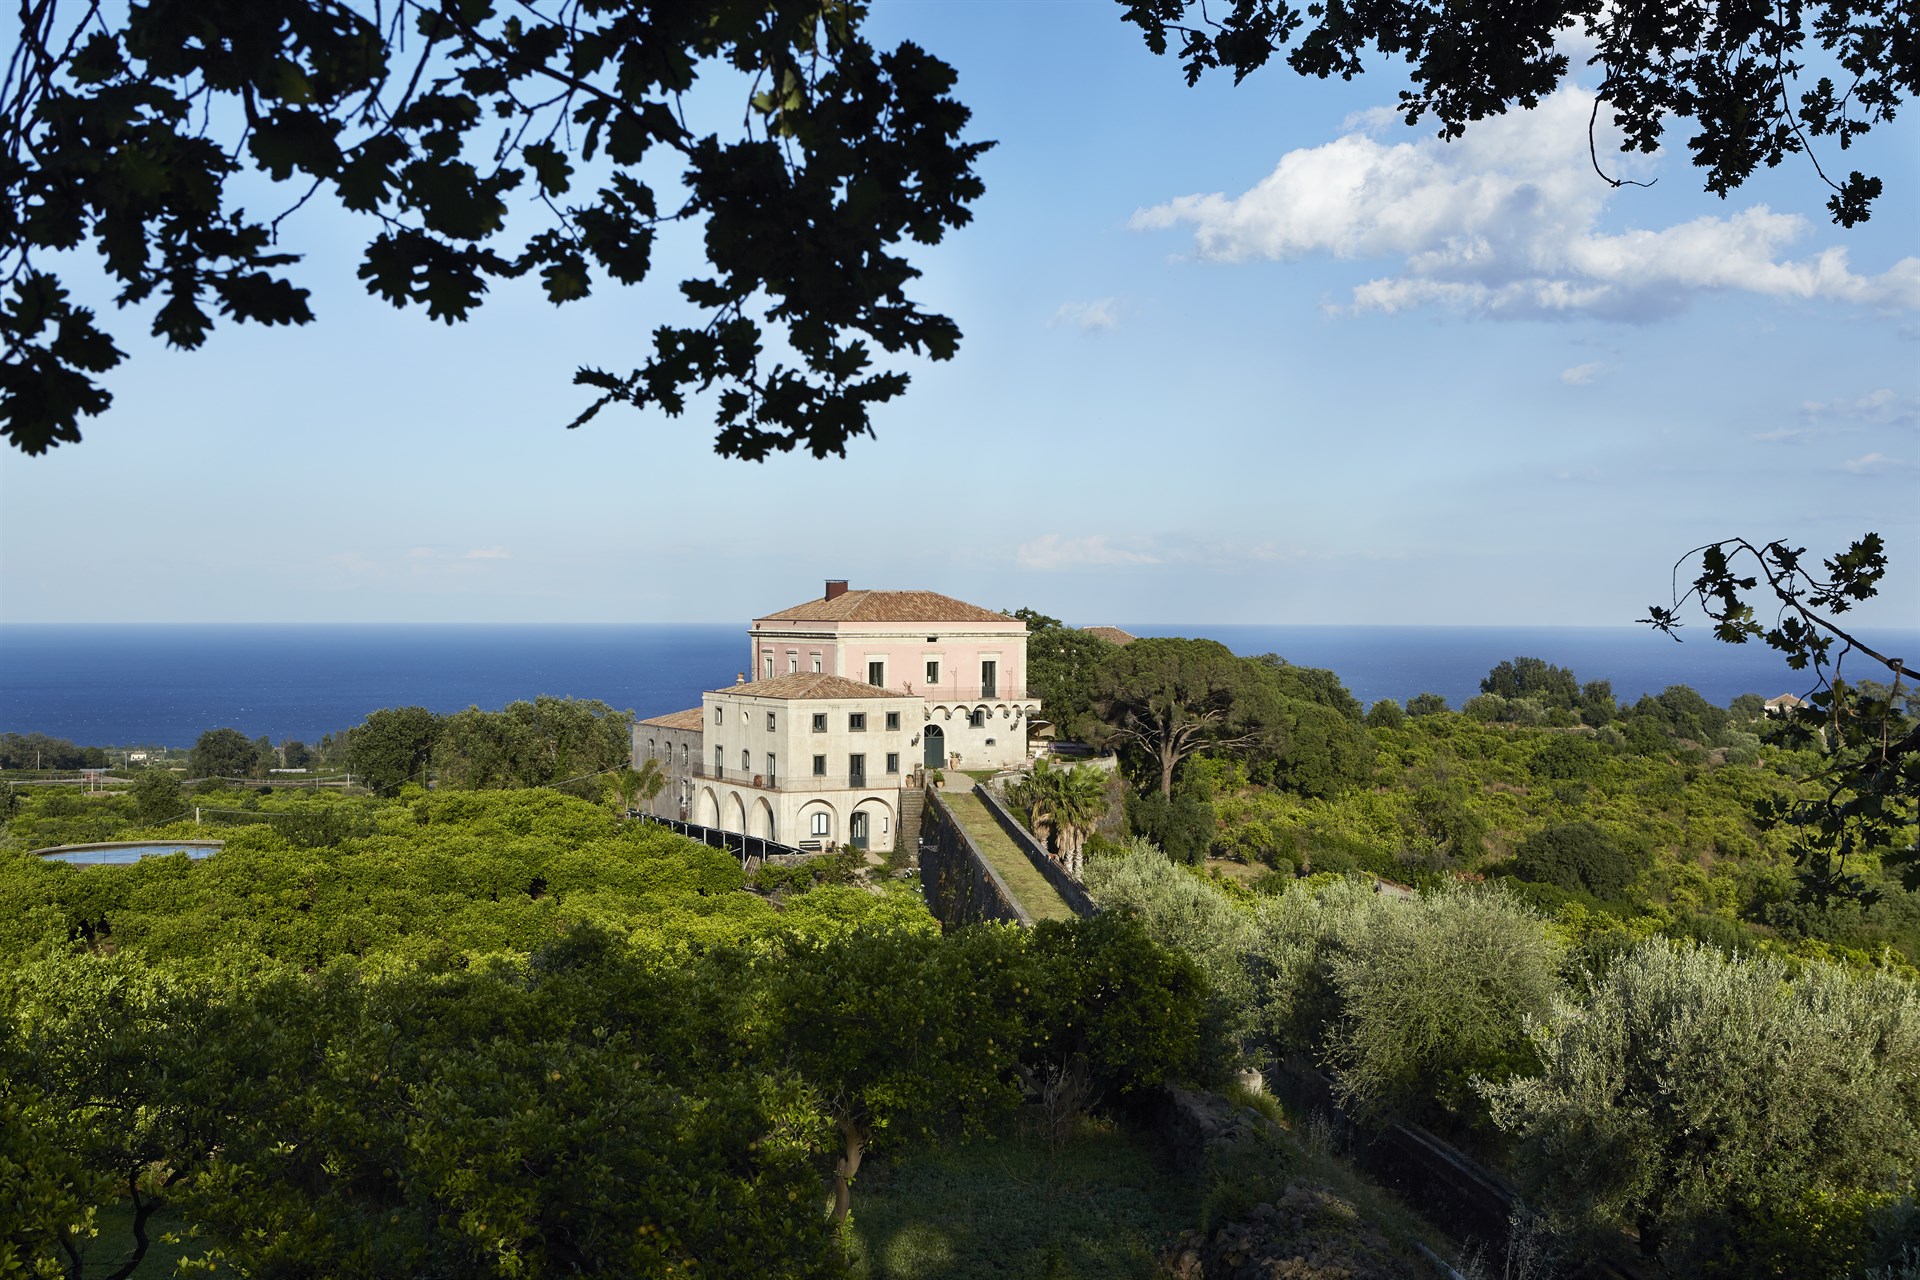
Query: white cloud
pixel 1051 551
pixel 1582 374
pixel 1884 407
pixel 1088 317
pixel 1505 221
pixel 1874 464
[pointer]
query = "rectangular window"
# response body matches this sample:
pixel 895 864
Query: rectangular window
pixel 893 722
pixel 857 771
pixel 816 664
pixel 716 715
pixel 877 674
pixel 893 762
pixel 857 722
pixel 719 762
pixel 769 666
pixel 989 678
pixel 819 824
pixel 686 750
pixel 770 722
pixel 769 768
pixel 819 766
pixel 793 662
pixel 746 760
pixel 933 671
pixel 820 723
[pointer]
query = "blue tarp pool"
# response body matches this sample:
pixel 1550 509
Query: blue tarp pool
pixel 95 854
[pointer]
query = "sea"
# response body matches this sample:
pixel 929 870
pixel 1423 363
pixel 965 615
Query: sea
pixel 143 685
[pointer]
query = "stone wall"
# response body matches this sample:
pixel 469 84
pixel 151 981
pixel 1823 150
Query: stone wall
pixel 959 885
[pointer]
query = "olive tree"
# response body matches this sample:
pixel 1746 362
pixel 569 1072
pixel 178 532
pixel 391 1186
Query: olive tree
pixel 1723 1107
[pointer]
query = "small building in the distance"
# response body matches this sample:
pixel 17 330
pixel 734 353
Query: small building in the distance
pixel 853 695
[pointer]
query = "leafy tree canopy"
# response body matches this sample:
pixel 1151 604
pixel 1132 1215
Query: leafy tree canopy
pixel 1533 678
pixel 1060 666
pixel 1731 70
pixel 222 753
pixel 393 746
pixel 486 142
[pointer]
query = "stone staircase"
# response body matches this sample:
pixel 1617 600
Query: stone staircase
pixel 913 804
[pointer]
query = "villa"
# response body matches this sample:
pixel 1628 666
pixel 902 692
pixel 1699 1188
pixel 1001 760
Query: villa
pixel 855 695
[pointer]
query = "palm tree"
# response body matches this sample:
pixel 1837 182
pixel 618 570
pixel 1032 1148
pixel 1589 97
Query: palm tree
pixel 642 784
pixel 1063 806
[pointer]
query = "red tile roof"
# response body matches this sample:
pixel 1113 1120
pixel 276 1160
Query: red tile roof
pixel 887 606
pixel 810 684
pixel 690 719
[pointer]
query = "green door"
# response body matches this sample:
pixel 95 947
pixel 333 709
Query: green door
pixel 936 752
pixel 857 829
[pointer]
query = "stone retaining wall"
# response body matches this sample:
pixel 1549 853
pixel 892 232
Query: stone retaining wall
pixel 960 886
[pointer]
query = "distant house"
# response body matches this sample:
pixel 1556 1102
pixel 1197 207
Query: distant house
pixel 1785 704
pixel 1112 635
pixel 853 692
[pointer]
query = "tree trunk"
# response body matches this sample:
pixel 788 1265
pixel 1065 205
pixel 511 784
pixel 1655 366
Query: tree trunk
pixel 845 1168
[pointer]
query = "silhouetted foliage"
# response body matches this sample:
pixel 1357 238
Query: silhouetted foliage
pixel 125 127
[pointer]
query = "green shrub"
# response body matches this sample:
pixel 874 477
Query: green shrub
pixel 1577 855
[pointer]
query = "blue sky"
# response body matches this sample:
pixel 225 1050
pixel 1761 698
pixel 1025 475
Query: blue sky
pixel 1254 354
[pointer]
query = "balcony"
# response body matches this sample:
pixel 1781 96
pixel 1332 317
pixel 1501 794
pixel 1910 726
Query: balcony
pixel 976 691
pixel 870 780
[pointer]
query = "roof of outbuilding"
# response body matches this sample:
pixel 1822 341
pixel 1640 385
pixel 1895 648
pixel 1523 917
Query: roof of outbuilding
pixel 888 606
pixel 810 684
pixel 1112 635
pixel 692 718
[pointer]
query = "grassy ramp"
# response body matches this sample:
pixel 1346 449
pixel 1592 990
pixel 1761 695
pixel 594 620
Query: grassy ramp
pixel 1028 885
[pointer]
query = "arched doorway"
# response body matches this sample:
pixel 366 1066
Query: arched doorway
pixel 936 752
pixel 763 824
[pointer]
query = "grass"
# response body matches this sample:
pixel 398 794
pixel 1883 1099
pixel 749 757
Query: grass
pixel 1040 899
pixel 107 1251
pixel 1107 1206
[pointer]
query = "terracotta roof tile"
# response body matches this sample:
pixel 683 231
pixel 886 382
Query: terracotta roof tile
pixel 810 684
pixel 887 606
pixel 690 719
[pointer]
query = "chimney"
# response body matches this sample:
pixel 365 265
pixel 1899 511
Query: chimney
pixel 836 587
pixel 739 677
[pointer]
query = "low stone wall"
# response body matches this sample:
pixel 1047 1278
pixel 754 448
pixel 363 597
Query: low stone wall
pixel 1069 889
pixel 960 886
pixel 1430 1173
pixel 1196 1126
